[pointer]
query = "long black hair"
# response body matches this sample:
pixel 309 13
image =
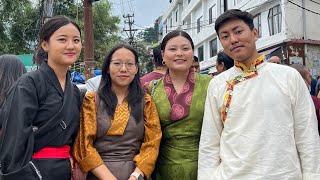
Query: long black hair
pixel 46 32
pixel 135 97
pixel 11 68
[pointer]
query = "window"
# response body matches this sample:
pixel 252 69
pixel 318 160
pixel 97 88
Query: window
pixel 199 24
pixel 274 20
pixel 212 14
pixel 177 16
pixel 189 1
pixel 200 53
pixel 213 47
pixel 257 24
pixel 166 29
pixel 170 22
pixel 233 3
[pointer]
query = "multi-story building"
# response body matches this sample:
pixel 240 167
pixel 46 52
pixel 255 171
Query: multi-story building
pixel 288 29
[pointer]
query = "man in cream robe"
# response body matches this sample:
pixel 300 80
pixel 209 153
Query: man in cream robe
pixel 259 120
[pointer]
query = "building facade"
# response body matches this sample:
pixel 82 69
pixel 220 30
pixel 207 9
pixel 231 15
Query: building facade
pixel 288 29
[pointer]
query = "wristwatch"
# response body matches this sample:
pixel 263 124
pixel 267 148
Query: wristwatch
pixel 137 175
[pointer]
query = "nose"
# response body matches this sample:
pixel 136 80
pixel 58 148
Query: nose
pixel 123 67
pixel 179 52
pixel 70 44
pixel 233 38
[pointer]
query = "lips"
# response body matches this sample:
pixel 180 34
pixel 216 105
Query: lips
pixel 123 76
pixel 180 60
pixel 236 47
pixel 70 54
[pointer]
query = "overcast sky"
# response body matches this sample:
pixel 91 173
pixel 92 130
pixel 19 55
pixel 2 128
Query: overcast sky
pixel 145 11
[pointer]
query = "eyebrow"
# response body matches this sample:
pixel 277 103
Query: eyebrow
pixel 231 30
pixel 62 35
pixel 128 60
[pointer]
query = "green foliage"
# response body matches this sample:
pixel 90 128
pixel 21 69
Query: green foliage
pixel 144 57
pixel 20 23
pixel 105 30
pixel 149 39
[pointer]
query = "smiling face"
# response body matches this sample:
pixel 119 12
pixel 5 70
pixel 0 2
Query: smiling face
pixel 64 46
pixel 238 41
pixel 122 69
pixel 178 54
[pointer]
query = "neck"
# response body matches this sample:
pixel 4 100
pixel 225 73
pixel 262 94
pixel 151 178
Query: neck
pixel 120 92
pixel 60 72
pixel 178 76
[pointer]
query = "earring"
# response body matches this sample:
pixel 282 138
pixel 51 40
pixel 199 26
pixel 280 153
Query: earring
pixel 163 63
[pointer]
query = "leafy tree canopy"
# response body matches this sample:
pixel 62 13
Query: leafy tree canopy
pixel 20 23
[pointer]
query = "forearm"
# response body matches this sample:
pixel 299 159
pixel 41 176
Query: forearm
pixel 103 173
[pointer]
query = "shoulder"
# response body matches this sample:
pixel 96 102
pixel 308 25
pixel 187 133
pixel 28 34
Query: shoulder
pixel 147 98
pixel 279 67
pixel 30 78
pixel 90 96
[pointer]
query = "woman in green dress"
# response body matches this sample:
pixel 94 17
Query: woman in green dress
pixel 179 96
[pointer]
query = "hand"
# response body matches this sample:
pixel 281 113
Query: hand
pixel 109 177
pixel 132 178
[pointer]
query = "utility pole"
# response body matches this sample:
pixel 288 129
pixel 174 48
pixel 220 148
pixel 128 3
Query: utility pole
pixel 130 32
pixel 47 11
pixel 88 39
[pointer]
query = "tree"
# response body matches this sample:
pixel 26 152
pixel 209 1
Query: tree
pixel 18 21
pixel 19 25
pixel 105 30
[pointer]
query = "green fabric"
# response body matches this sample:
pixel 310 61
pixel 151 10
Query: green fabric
pixel 178 157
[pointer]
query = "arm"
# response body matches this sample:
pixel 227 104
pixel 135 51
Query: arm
pixel 103 173
pixel 83 150
pixel 17 138
pixel 146 159
pixel 209 147
pixel 305 128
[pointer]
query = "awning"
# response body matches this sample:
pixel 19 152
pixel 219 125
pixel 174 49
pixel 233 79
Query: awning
pixel 269 51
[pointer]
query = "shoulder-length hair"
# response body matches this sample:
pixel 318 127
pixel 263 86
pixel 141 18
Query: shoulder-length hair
pixel 135 97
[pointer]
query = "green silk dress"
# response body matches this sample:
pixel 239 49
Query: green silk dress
pixel 178 156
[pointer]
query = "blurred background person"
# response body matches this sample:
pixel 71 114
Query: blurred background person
pixel 305 73
pixel 160 67
pixel 223 62
pixel 274 59
pixel 92 84
pixel 196 65
pixel 11 68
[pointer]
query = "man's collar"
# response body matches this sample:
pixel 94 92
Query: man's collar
pixel 255 65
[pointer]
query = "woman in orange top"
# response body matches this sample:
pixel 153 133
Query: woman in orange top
pixel 120 132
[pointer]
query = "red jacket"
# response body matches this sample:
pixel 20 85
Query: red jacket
pixel 316 102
